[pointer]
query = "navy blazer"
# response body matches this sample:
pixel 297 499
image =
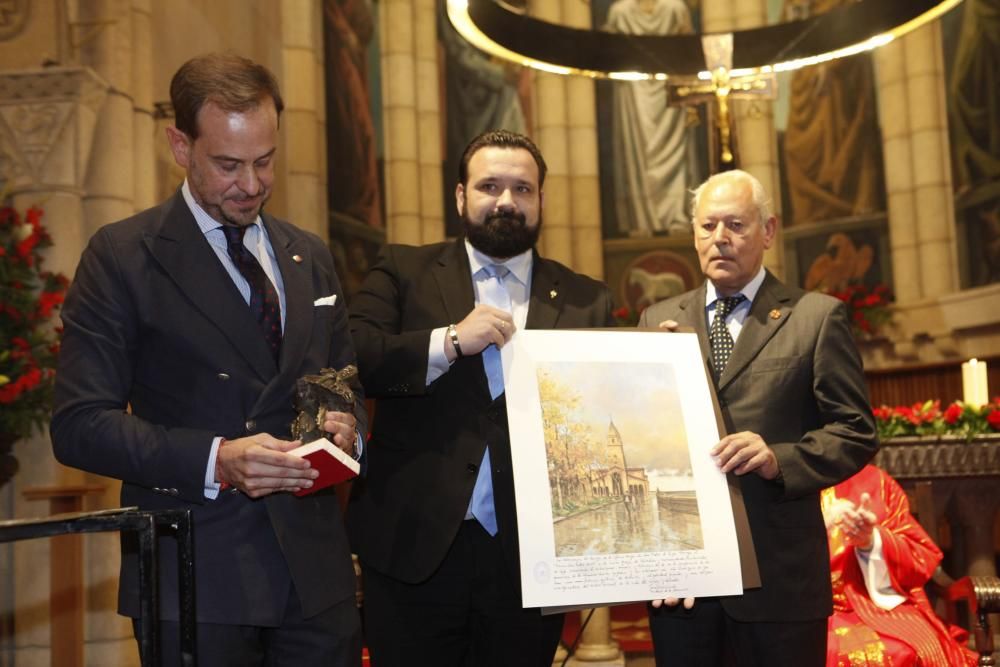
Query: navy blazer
pixel 160 355
pixel 427 442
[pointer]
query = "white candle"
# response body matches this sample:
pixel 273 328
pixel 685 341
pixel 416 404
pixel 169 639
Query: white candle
pixel 974 386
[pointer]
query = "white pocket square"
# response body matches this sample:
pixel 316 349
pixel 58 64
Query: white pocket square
pixel 326 300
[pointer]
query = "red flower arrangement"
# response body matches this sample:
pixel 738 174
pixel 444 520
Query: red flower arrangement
pixel 927 418
pixel 867 307
pixel 29 297
pixel 626 317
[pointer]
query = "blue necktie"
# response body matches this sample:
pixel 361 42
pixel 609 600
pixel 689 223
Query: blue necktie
pixel 494 293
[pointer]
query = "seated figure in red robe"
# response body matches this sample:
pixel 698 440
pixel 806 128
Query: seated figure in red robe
pixel 880 559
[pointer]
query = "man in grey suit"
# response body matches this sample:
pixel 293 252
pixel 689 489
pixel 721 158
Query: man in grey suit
pixel 790 386
pixel 186 328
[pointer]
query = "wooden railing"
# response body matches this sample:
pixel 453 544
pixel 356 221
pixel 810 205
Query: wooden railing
pixel 912 384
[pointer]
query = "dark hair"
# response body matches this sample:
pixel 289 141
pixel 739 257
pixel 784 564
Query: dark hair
pixel 500 139
pixel 231 82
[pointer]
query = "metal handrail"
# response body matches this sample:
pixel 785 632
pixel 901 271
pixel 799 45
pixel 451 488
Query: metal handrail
pixel 145 524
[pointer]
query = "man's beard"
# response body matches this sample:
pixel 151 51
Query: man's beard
pixel 501 235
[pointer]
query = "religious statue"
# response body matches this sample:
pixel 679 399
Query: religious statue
pixel 652 153
pixel 315 395
pixel 832 144
pixel 974 115
pixel 350 127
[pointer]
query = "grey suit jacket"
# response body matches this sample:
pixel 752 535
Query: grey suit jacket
pixel 795 378
pixel 160 355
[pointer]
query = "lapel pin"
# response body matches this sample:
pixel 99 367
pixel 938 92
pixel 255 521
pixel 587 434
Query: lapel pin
pixel 297 259
pixel 553 294
pixel 775 314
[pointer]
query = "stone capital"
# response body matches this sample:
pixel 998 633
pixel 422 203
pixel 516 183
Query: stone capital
pixel 47 119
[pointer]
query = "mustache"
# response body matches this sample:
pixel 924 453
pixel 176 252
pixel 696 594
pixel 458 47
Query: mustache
pixel 505 216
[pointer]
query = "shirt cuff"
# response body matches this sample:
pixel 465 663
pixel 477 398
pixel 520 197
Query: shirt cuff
pixel 359 445
pixel 211 486
pixel 437 362
pixel 875 571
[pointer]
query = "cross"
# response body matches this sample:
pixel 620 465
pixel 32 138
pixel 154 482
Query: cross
pixel 722 86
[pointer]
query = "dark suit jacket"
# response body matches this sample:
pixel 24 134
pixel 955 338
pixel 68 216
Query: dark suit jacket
pixel 796 380
pixel 153 321
pixel 427 442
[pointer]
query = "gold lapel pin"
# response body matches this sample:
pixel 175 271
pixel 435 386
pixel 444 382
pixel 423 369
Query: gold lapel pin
pixel 297 259
pixel 553 294
pixel 775 314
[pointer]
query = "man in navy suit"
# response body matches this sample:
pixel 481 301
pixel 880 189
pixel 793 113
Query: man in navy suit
pixel 435 524
pixel 186 328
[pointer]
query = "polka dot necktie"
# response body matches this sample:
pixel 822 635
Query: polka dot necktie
pixel 719 336
pixel 264 303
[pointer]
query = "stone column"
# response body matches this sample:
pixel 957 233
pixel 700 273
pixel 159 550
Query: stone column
pixel 399 112
pixel 754 119
pixel 144 127
pixel 429 122
pixel 110 189
pixel 890 73
pixel 552 139
pixel 596 644
pixel 110 179
pixel 302 91
pixel 584 184
pixel 912 108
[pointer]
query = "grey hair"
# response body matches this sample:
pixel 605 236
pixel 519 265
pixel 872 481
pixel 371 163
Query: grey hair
pixel 759 197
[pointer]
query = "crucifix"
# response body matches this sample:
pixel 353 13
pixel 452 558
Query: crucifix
pixel 721 87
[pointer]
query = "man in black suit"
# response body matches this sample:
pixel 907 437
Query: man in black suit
pixel 435 524
pixel 169 382
pixel 793 397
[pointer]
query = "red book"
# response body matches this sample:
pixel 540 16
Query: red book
pixel 334 465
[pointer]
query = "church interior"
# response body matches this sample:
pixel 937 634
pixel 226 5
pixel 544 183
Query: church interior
pixel 882 162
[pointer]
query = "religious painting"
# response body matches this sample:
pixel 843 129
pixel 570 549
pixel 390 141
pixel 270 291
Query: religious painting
pixel 353 137
pixel 481 93
pixel 618 498
pixel 831 257
pixel 971 37
pixel 829 140
pixel 642 272
pixel 655 151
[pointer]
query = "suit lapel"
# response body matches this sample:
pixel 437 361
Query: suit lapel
pixel 546 299
pixel 454 280
pixel 179 246
pixel 693 315
pixel 759 327
pixel 296 276
pixel 453 275
pixel 297 280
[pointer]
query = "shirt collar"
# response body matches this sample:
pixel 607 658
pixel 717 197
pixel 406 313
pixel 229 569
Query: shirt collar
pixel 205 222
pixel 749 290
pixel 518 265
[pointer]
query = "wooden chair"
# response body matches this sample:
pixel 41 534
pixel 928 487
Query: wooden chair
pixel 980 596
